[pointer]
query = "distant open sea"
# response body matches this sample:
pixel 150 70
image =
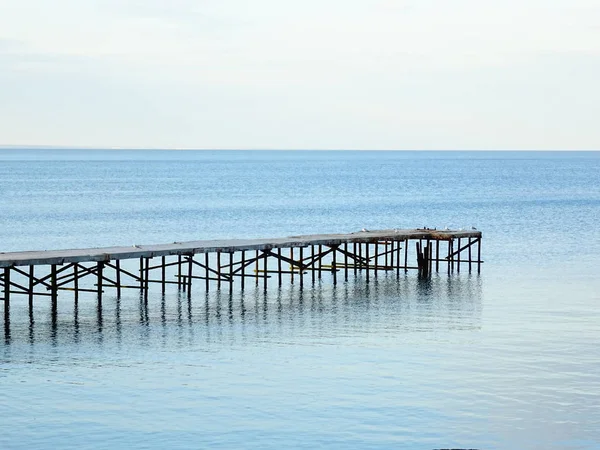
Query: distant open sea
pixel 507 359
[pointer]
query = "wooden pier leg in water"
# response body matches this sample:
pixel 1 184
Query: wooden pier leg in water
pixel 320 260
pixel 391 260
pixel 6 291
pixel 190 274
pixel 360 253
pixel 147 277
pixel 243 271
pixel 301 250
pixel 219 270
pixel 179 271
pixel 345 261
pixel 53 286
pixel 163 273
pixel 458 257
pixel 141 273
pixel 398 249
pixel 76 282
pixel 31 287
pixel 376 258
pixel 265 266
pixel 429 257
pixel 406 255
pixel 367 257
pixel 448 257
pixel 99 273
pixel 257 268
pixel 354 261
pixel 118 277
pixel 333 268
pixel 230 270
pixel 291 266
pixel 279 279
pixel 470 255
pixel 437 255
pixel 206 262
pixel 479 256
pixel 312 265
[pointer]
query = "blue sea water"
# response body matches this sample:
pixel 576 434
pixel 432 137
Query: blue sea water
pixel 509 358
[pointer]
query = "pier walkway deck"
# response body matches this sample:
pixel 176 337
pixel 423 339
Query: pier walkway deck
pixel 233 261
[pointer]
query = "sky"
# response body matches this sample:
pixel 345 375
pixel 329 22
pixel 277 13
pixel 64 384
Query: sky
pixel 310 74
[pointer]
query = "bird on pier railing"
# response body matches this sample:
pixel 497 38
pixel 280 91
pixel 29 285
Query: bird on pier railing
pixel 473 228
pixel 364 230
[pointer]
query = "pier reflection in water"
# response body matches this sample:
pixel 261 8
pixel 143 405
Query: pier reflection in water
pixel 387 305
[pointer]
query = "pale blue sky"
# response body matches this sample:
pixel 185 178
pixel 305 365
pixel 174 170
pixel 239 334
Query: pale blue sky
pixel 326 74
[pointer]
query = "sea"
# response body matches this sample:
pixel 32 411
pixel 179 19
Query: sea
pixel 508 358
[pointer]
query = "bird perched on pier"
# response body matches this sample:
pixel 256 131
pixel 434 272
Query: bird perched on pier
pixel 473 228
pixel 364 230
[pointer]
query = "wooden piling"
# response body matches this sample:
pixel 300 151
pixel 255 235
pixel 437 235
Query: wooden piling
pixel 266 272
pixel 320 260
pixel 257 268
pixel 146 276
pixel 243 270
pixel 190 274
pixel 207 273
pixel 312 263
pixel 376 258
pixel 31 276
pixel 292 268
pixel 398 256
pixel 53 286
pixel 219 270
pixel 367 259
pixel 179 271
pixel 163 274
pixel 117 277
pixel 458 257
pixel 470 258
pixel 6 289
pixel 141 274
pixel 333 268
pixel 279 277
pixel 355 262
pixel 301 258
pixel 99 274
pixel 479 256
pixel 345 261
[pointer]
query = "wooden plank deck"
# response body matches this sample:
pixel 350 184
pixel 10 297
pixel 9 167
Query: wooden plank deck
pixel 48 257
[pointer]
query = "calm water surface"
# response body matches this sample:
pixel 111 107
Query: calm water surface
pixel 506 359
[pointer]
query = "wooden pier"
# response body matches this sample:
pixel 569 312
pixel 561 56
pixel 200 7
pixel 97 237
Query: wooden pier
pixel 230 263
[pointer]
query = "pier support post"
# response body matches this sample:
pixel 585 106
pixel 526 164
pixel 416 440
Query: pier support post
pixel 6 290
pixel 53 286
pixel 470 257
pixel 458 257
pixel 207 277
pixel 243 270
pixel 333 264
pixel 479 256
pixel 301 251
pixel 118 277
pixel 367 259
pixel 31 276
pixel 99 273
pixel 279 278
pixel 163 273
